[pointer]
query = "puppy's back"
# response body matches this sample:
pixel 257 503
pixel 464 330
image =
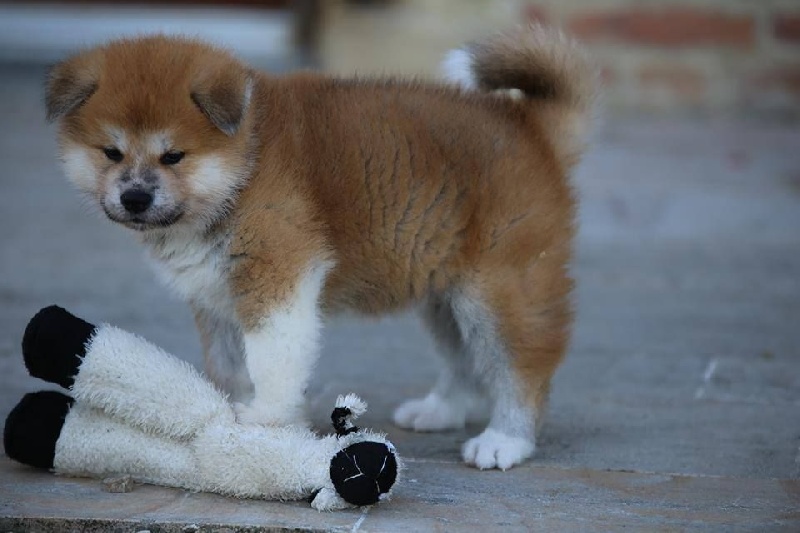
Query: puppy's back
pixel 416 183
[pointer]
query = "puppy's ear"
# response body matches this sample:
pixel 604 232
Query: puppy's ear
pixel 223 95
pixel 69 84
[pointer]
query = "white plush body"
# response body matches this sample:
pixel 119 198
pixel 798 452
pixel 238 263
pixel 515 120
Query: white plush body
pixel 142 412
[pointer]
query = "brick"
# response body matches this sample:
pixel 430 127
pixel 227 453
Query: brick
pixel 786 27
pixel 784 79
pixel 670 27
pixel 686 83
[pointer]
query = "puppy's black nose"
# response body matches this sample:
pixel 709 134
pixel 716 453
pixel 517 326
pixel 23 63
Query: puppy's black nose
pixel 136 201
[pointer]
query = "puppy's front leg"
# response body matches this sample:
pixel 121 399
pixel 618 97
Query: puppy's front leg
pixel 223 354
pixel 282 327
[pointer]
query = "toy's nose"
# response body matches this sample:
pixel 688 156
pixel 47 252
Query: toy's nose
pixel 136 201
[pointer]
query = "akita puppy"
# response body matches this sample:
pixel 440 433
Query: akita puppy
pixel 270 202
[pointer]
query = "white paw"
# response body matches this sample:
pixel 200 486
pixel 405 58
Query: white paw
pixel 493 449
pixel 431 413
pixel 268 416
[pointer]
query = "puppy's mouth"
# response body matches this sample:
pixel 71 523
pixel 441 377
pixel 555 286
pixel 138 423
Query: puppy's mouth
pixel 145 221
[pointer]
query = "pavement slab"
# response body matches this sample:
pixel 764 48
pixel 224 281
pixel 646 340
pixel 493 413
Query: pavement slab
pixel 435 496
pixel 677 408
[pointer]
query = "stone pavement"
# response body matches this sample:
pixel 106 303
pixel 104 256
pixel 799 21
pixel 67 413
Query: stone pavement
pixel 677 408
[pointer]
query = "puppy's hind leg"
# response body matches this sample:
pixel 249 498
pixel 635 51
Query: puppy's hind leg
pixel 455 398
pixel 516 336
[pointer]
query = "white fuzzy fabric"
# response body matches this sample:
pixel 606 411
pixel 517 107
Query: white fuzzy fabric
pixel 250 461
pixel 93 444
pixel 351 401
pixel 235 460
pixel 142 412
pixel 286 463
pixel 140 384
pixel 328 499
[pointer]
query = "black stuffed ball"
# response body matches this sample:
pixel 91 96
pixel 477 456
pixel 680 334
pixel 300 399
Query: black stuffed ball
pixel 363 472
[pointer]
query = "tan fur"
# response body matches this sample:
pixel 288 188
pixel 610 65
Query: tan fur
pixel 411 190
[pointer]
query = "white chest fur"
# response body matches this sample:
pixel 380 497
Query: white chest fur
pixel 195 266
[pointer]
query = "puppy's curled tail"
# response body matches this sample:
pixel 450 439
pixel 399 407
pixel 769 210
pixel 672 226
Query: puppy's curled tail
pixel 545 66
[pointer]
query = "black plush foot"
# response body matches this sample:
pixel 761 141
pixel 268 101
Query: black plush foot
pixel 364 471
pixel 53 344
pixel 33 427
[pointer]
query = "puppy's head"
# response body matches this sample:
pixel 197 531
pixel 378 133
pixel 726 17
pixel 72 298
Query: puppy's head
pixel 154 129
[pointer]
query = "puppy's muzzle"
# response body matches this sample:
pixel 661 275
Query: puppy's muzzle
pixel 136 201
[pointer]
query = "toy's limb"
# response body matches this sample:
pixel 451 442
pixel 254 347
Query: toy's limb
pixel 47 429
pixel 122 374
pixel 95 445
pixel 353 468
pixel 357 468
pixel 33 427
pixel 53 344
pixel 290 463
pixel 142 385
pixel 251 461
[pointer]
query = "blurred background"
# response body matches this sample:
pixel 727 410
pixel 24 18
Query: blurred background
pixel 730 57
pixel 686 352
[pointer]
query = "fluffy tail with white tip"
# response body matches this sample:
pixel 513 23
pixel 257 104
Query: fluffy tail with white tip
pixel 545 66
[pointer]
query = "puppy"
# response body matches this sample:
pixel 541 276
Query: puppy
pixel 270 202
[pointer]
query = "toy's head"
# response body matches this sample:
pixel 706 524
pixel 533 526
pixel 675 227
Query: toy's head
pixel 364 472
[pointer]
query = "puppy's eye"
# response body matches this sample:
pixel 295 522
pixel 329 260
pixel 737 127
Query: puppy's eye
pixel 113 154
pixel 171 158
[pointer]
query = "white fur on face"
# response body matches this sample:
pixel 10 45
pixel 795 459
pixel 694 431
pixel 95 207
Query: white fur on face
pixel 119 139
pixel 211 180
pixel 213 186
pixel 281 353
pixel 457 68
pixel 79 168
pixel 158 143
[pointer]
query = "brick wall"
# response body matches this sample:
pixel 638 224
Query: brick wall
pixel 715 57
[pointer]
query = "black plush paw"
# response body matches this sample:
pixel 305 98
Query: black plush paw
pixel 364 471
pixel 53 344
pixel 33 427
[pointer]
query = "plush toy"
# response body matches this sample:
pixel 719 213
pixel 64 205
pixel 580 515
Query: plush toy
pixel 136 410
